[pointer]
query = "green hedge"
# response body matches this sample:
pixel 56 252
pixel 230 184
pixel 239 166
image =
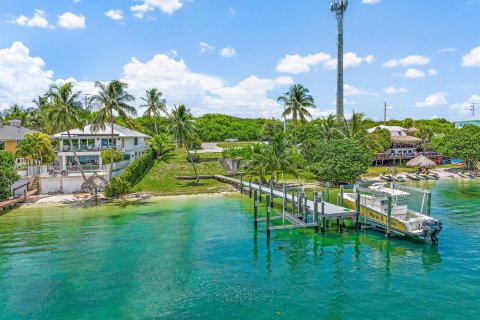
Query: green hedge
pixel 123 183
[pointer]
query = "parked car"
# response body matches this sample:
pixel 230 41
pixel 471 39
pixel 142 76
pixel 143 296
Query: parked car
pixel 232 140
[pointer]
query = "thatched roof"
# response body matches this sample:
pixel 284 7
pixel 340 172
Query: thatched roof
pixel 421 162
pixel 406 140
pixel 94 182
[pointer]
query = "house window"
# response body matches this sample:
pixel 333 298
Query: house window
pixel 2 145
pixel 135 141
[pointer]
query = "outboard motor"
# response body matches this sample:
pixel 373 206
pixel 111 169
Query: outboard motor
pixel 431 228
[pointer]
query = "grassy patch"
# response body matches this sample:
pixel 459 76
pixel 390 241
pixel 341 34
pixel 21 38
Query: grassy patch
pixel 160 180
pixel 238 144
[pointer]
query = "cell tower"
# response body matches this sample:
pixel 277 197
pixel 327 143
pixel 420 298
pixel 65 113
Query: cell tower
pixel 338 7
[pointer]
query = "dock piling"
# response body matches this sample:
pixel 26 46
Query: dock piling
pixel 305 208
pixel 315 210
pixel 293 204
pixel 255 210
pixel 323 227
pixel 271 194
pixel 327 191
pixel 342 191
pixel 241 184
pixel 389 216
pixel 357 210
pixel 260 192
pixel 429 203
pixel 250 187
pixel 268 215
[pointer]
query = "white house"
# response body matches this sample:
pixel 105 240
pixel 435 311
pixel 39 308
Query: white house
pixel 89 144
pixel 395 131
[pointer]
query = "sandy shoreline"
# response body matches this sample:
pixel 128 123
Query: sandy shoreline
pixel 87 199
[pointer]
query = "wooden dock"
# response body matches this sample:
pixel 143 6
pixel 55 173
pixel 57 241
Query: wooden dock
pixel 10 203
pixel 305 213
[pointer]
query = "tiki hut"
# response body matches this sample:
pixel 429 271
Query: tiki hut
pixel 406 141
pixel 421 162
pixel 95 182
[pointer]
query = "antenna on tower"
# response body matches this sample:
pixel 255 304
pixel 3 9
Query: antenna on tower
pixel 473 108
pixel 338 7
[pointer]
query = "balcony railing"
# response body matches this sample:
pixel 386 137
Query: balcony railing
pixel 88 148
pixel 59 171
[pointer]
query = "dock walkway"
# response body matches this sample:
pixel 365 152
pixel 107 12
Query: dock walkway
pixel 10 203
pixel 330 211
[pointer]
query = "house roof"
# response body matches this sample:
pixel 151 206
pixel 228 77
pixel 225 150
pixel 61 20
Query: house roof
pixel 394 130
pixel 476 118
pixel 13 133
pixel 118 131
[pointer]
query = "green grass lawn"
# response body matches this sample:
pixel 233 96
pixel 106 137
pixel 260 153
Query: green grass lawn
pixel 160 180
pixel 238 144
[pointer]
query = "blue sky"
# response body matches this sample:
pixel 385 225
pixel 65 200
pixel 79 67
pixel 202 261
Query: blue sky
pixel 237 57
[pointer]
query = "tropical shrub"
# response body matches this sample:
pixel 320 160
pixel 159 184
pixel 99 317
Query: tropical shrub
pixel 193 157
pixel 8 175
pixel 464 144
pixel 106 156
pixel 117 187
pixel 340 160
pixel 133 172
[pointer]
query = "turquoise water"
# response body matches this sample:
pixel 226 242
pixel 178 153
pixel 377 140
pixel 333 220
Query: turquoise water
pixel 201 259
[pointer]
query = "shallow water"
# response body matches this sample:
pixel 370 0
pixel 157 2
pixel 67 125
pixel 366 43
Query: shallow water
pixel 181 259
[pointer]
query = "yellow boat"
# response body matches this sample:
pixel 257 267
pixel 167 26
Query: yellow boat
pixel 403 221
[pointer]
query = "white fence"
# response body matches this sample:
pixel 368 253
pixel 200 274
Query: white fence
pixel 56 171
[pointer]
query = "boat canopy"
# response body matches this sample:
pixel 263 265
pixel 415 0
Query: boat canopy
pixel 380 187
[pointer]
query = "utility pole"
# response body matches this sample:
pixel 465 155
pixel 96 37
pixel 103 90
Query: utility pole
pixel 338 7
pixel 385 106
pixel 473 109
pixel 86 99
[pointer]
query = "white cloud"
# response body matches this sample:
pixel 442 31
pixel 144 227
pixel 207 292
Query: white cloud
pixel 302 64
pixel 166 6
pixel 369 59
pixel 432 72
pixel 371 2
pixel 472 59
pixel 38 20
pixel 23 76
pixel 115 14
pixel 394 90
pixel 407 61
pixel 228 52
pixel 434 100
pixel 414 73
pixel 350 90
pixel 172 77
pixel 70 20
pixel 298 64
pixel 248 98
pixel 447 50
pixel 466 106
pixel 205 47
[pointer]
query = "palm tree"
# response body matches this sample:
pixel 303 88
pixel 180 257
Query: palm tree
pixel 354 128
pixel 37 147
pixel 273 159
pixel 155 105
pixel 182 127
pixel 112 99
pixel 64 113
pixel 296 100
pixel 329 128
pixel 163 146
